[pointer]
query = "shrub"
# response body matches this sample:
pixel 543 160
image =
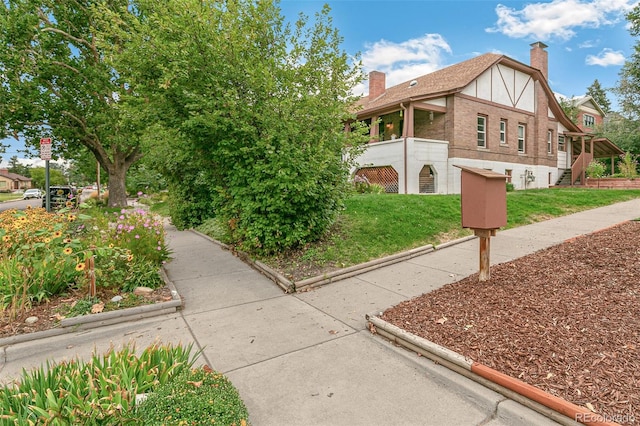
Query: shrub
pixel 628 166
pixel 194 397
pixel 595 169
pixel 510 187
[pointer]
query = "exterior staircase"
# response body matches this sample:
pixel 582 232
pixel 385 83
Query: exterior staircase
pixel 565 178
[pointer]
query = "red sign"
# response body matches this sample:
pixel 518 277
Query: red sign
pixel 45 148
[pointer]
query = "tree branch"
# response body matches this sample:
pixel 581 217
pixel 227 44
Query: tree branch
pixel 67 66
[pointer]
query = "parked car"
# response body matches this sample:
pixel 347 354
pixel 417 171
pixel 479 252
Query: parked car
pixel 59 195
pixel 32 193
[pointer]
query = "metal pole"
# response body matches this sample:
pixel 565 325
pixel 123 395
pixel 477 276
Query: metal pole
pixel 46 186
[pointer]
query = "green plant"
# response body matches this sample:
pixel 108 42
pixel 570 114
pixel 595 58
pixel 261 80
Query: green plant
pixel 101 391
pixel 628 166
pixel 140 233
pixel 595 169
pixel 510 187
pixel 142 273
pixel 82 306
pixel 195 396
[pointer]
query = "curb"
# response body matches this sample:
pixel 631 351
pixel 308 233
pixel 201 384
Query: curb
pixel 557 409
pixel 86 322
pixel 340 274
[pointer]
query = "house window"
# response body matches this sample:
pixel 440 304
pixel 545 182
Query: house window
pixel 482 131
pixel 549 141
pixel 561 144
pixel 521 138
pixel 589 120
pixel 503 132
pixel 508 173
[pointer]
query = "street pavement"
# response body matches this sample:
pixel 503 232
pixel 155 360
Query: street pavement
pixel 308 358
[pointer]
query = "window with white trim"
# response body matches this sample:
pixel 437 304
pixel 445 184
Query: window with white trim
pixel 588 120
pixel 561 143
pixel 503 132
pixel 521 138
pixel 549 141
pixel 482 131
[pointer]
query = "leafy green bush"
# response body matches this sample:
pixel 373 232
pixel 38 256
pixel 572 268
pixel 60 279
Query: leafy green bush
pixel 510 187
pixel 595 169
pixel 194 397
pixel 101 391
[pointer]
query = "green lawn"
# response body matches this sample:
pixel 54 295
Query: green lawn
pixel 376 225
pixel 6 196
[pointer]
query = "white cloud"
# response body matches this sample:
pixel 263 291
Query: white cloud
pixel 558 18
pixel 404 60
pixel 588 44
pixel 606 58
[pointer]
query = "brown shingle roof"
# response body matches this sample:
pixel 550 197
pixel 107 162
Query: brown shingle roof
pixel 445 80
pixel 14 176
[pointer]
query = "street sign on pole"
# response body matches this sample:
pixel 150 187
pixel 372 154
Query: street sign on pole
pixel 45 149
pixel 45 154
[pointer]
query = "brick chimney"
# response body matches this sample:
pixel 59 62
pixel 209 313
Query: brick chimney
pixel 377 82
pixel 4 171
pixel 540 58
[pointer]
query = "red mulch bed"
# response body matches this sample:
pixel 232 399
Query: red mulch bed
pixel 565 319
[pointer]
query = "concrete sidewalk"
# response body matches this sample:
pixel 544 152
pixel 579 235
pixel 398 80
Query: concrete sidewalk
pixel 307 358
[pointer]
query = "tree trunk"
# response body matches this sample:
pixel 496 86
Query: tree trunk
pixel 117 187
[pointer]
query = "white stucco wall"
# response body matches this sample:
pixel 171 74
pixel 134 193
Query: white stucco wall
pixel 420 152
pixel 506 86
pixel 518 173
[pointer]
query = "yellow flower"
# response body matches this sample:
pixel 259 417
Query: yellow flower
pixel 5 238
pixel 47 240
pixel 71 218
pixel 80 267
pixel 67 250
pixel 129 258
pixel 66 240
pixel 23 218
pixel 57 234
pixel 111 245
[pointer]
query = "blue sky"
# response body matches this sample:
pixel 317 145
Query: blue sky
pixel 587 40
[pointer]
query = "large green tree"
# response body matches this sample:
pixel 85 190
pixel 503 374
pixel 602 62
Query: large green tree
pixel 18 168
pixel 249 115
pixel 628 88
pixel 55 80
pixel 600 96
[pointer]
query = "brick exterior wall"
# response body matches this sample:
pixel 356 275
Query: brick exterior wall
pixel 461 132
pixel 613 183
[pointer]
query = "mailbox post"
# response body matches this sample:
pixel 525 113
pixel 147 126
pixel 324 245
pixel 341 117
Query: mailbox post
pixel 483 199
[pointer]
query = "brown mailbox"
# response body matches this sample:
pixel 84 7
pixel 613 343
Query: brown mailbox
pixel 483 198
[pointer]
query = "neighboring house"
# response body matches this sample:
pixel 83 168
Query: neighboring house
pixel 489 112
pixel 590 115
pixel 11 181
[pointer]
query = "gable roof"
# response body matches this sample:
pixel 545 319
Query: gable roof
pixel 453 79
pixel 588 102
pixel 446 80
pixel 14 176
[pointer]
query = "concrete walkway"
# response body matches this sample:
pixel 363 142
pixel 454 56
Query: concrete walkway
pixel 307 358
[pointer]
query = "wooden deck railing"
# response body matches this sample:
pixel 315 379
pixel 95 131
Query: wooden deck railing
pixel 579 165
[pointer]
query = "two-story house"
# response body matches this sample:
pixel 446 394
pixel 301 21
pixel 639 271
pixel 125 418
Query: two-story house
pixel 489 112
